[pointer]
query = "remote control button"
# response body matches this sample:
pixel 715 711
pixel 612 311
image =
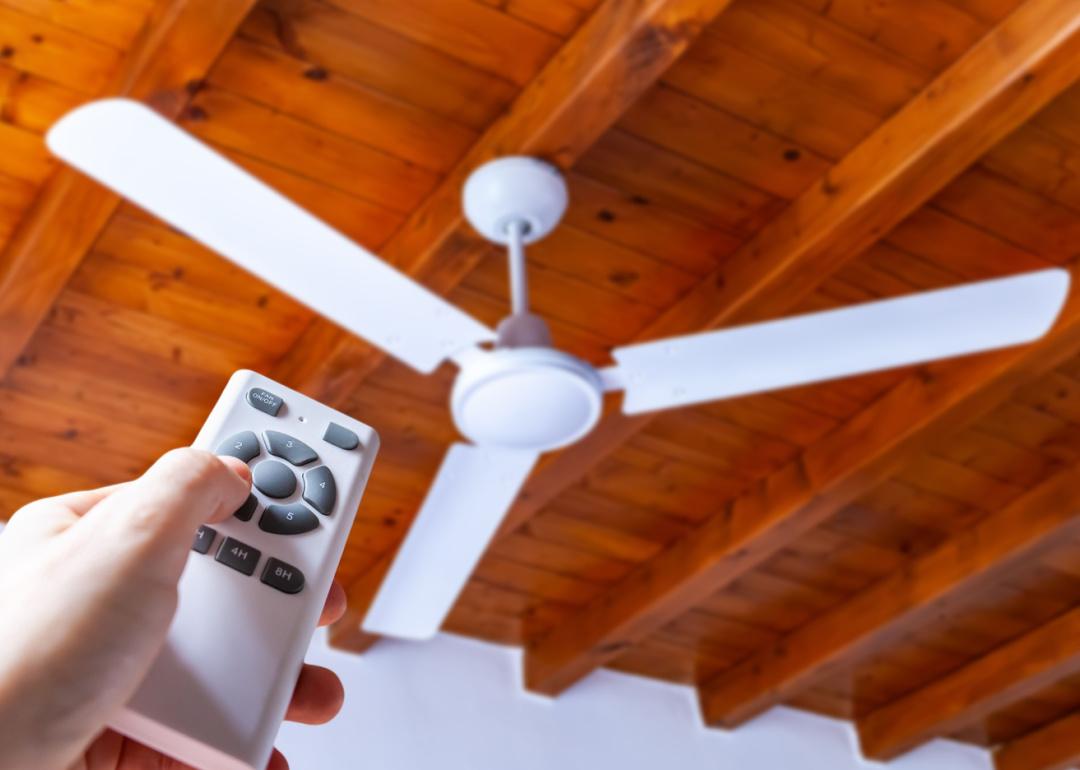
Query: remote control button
pixel 204 538
pixel 340 437
pixel 273 479
pixel 282 576
pixel 244 511
pixel 240 557
pixel 243 445
pixel 292 449
pixel 320 489
pixel 264 401
pixel 292 519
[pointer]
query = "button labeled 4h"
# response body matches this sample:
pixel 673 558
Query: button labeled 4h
pixel 240 556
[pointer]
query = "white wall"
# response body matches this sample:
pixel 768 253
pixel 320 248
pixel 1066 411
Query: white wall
pixel 456 704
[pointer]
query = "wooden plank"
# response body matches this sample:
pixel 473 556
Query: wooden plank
pixel 114 23
pixel 931 32
pixel 925 588
pixel 329 40
pixel 1053 747
pixel 277 137
pixel 466 30
pixel 176 48
pixel 1007 675
pixel 37 46
pixel 901 166
pixel 583 89
pixel 561 17
pixel 338 105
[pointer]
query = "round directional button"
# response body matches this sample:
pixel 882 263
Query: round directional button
pixel 274 479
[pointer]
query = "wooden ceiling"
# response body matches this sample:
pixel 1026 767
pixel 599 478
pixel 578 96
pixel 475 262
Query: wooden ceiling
pixel 901 549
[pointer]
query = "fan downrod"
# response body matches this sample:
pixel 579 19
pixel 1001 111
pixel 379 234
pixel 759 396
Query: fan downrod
pixel 524 394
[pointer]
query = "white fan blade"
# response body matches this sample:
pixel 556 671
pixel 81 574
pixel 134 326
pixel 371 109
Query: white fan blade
pixel 839 343
pixel 470 496
pixel 132 150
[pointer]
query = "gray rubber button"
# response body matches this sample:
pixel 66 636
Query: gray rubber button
pixel 243 445
pixel 282 576
pixel 264 401
pixel 239 556
pixel 244 511
pixel 204 538
pixel 273 479
pixel 340 437
pixel 320 489
pixel 292 519
pixel 292 449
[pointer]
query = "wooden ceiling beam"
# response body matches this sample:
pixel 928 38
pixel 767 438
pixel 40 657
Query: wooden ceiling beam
pixel 589 83
pixel 173 53
pixel 927 587
pixel 618 53
pixel 1015 70
pixel 1007 675
pixel 1053 747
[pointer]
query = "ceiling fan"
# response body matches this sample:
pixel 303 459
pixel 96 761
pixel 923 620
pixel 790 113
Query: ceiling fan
pixel 519 396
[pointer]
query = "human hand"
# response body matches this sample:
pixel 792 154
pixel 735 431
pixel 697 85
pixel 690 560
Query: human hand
pixel 87 592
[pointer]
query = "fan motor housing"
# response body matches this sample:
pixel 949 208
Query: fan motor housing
pixel 526 398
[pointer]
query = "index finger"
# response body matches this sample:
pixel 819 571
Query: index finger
pixel 164 506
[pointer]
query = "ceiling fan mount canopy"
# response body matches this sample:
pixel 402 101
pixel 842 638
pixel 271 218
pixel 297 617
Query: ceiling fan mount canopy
pixel 515 189
pixel 529 398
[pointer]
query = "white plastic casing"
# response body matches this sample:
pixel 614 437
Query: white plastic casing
pixel 218 692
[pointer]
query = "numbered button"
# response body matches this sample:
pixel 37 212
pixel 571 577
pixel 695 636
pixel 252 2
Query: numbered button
pixel 244 511
pixel 292 449
pixel 292 519
pixel 204 538
pixel 274 479
pixel 243 445
pixel 320 489
pixel 282 576
pixel 239 556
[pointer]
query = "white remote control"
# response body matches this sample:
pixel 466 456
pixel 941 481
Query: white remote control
pixel 254 586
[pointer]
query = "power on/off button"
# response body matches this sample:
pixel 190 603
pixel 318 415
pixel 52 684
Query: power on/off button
pixel 264 401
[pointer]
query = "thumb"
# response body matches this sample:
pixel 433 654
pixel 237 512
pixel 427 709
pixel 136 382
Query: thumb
pixel 161 510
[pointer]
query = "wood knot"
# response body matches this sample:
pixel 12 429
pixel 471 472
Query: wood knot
pixel 639 200
pixel 316 73
pixel 624 277
pixel 7 52
pixel 195 113
pixel 605 216
pixel 791 155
